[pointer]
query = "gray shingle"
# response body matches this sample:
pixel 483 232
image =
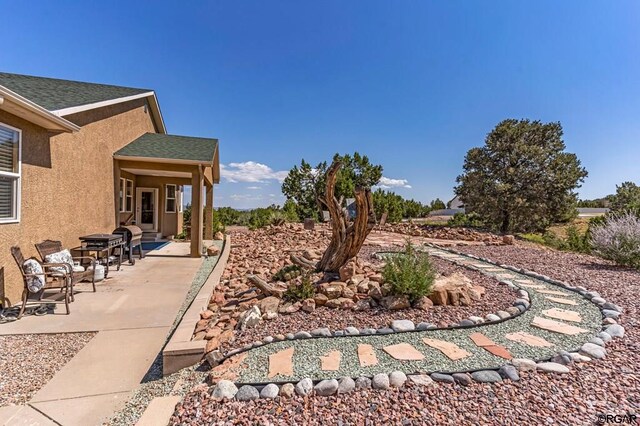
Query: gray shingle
pixel 157 145
pixel 54 94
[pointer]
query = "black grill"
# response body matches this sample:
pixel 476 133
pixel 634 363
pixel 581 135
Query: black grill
pixel 132 236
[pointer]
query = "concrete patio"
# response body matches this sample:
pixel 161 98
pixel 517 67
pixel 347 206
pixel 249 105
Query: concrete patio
pixel 132 311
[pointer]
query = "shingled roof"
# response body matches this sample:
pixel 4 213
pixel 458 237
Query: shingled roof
pixel 54 94
pixel 171 147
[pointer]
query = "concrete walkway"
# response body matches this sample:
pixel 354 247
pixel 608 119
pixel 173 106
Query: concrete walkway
pixel 132 312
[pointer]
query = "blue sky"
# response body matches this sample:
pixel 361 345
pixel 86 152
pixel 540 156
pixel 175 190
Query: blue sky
pixel 413 84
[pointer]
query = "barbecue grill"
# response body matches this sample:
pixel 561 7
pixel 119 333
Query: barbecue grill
pixel 132 236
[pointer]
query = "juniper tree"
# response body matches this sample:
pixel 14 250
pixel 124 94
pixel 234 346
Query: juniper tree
pixel 521 179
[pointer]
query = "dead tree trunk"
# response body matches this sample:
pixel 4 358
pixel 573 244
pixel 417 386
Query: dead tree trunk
pixel 346 238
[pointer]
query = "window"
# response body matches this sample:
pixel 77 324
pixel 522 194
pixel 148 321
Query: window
pixel 10 169
pixel 170 199
pixel 126 195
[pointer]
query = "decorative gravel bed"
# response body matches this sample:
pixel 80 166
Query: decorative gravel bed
pixel 23 373
pixel 606 386
pixel 497 297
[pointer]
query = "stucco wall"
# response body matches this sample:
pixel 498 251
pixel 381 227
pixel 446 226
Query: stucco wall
pixel 67 182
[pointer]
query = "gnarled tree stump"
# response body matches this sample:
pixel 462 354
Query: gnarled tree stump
pixel 346 238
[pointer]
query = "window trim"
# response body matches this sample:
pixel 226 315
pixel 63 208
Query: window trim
pixel 179 197
pixel 17 177
pixel 167 198
pixel 123 197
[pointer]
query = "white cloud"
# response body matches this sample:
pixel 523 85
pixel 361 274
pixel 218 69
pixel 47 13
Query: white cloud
pixel 386 183
pixel 251 172
pixel 253 188
pixel 245 197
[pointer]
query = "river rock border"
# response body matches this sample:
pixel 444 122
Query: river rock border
pixel 558 363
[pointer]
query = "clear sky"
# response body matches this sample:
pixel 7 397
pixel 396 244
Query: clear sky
pixel 412 84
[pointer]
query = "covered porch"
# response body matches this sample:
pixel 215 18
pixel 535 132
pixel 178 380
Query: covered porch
pixel 150 175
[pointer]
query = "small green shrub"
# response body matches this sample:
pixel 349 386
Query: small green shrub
pixel 409 273
pixel 287 273
pixel 471 220
pixel 576 241
pixel 300 291
pixel 181 236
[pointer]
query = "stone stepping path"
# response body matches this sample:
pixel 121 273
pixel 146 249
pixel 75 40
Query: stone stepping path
pixel 543 329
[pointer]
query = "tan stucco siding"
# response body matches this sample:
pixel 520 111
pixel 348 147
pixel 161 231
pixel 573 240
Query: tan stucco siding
pixel 67 182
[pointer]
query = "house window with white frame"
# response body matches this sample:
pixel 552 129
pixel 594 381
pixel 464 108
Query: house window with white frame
pixel 10 172
pixel 126 195
pixel 171 198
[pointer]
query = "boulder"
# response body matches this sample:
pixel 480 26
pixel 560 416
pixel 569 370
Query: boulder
pixel 213 251
pixel 247 393
pixel 249 318
pixel 270 391
pixel 341 302
pixel 269 304
pixel 308 305
pixel 218 236
pixel 380 381
pixel 304 387
pixel 320 299
pixel 395 302
pixel 224 389
pixel 397 379
pixel 346 385
pixel 287 390
pixel 424 303
pixel 348 271
pixel 454 289
pixel 333 290
pixel 508 240
pixel 326 387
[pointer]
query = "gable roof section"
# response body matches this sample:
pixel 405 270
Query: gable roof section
pixel 64 97
pixel 170 148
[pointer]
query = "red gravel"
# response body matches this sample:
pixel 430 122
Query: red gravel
pixel 611 385
pixel 497 298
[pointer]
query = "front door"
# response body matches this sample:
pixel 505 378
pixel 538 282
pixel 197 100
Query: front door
pixel 147 209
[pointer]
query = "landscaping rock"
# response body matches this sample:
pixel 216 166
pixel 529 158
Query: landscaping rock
pixel 443 378
pixel 466 322
pixel 380 381
pixel 421 379
pixel 576 357
pixel 363 383
pixel 402 325
pixel 552 367
pixel 476 320
pixel 213 251
pixel 321 332
pixel 385 330
pixel 302 335
pixel 424 303
pixel 612 307
pixel 270 391
pixel 287 390
pixel 609 313
pixel 218 236
pixel 423 326
pixel 224 389
pixel 597 341
pixel 492 317
pixel 615 330
pixel 247 393
pixel 395 302
pixel 351 331
pixel 462 379
pixel 249 318
pixel 486 376
pixel 523 364
pixel 326 387
pixel 509 372
pixel 308 305
pixel 503 314
pixel 397 379
pixel 606 337
pixel 346 385
pixel 593 351
pixel 304 387
pixel 320 299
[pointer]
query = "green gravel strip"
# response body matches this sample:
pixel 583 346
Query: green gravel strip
pixel 306 362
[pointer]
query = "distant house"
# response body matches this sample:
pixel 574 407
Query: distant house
pixel 455 203
pixel 80 158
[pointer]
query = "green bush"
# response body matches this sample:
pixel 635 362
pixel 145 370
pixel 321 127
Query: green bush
pixel 576 241
pixel 471 220
pixel 409 273
pixel 300 291
pixel 292 271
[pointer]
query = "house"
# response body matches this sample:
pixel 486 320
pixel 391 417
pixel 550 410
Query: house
pixel 81 158
pixel 455 203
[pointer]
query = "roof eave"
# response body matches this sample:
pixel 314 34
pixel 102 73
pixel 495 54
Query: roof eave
pixel 34 113
pixel 153 104
pixel 162 160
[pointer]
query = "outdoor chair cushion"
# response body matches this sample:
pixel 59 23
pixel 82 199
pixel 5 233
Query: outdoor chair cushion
pixel 34 283
pixel 63 256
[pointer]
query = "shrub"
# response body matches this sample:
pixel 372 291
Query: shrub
pixel 409 273
pixel 576 241
pixel 300 291
pixel 471 220
pixel 287 273
pixel 618 239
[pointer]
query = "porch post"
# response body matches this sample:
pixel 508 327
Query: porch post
pixel 208 212
pixel 116 192
pixel 196 212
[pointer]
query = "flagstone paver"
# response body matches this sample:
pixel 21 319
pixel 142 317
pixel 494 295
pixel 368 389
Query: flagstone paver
pixel 367 355
pixel 563 314
pixel 281 363
pixel 530 334
pixel 556 326
pixel 404 352
pixel 331 361
pixel 451 350
pixel 528 339
pixel 562 300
